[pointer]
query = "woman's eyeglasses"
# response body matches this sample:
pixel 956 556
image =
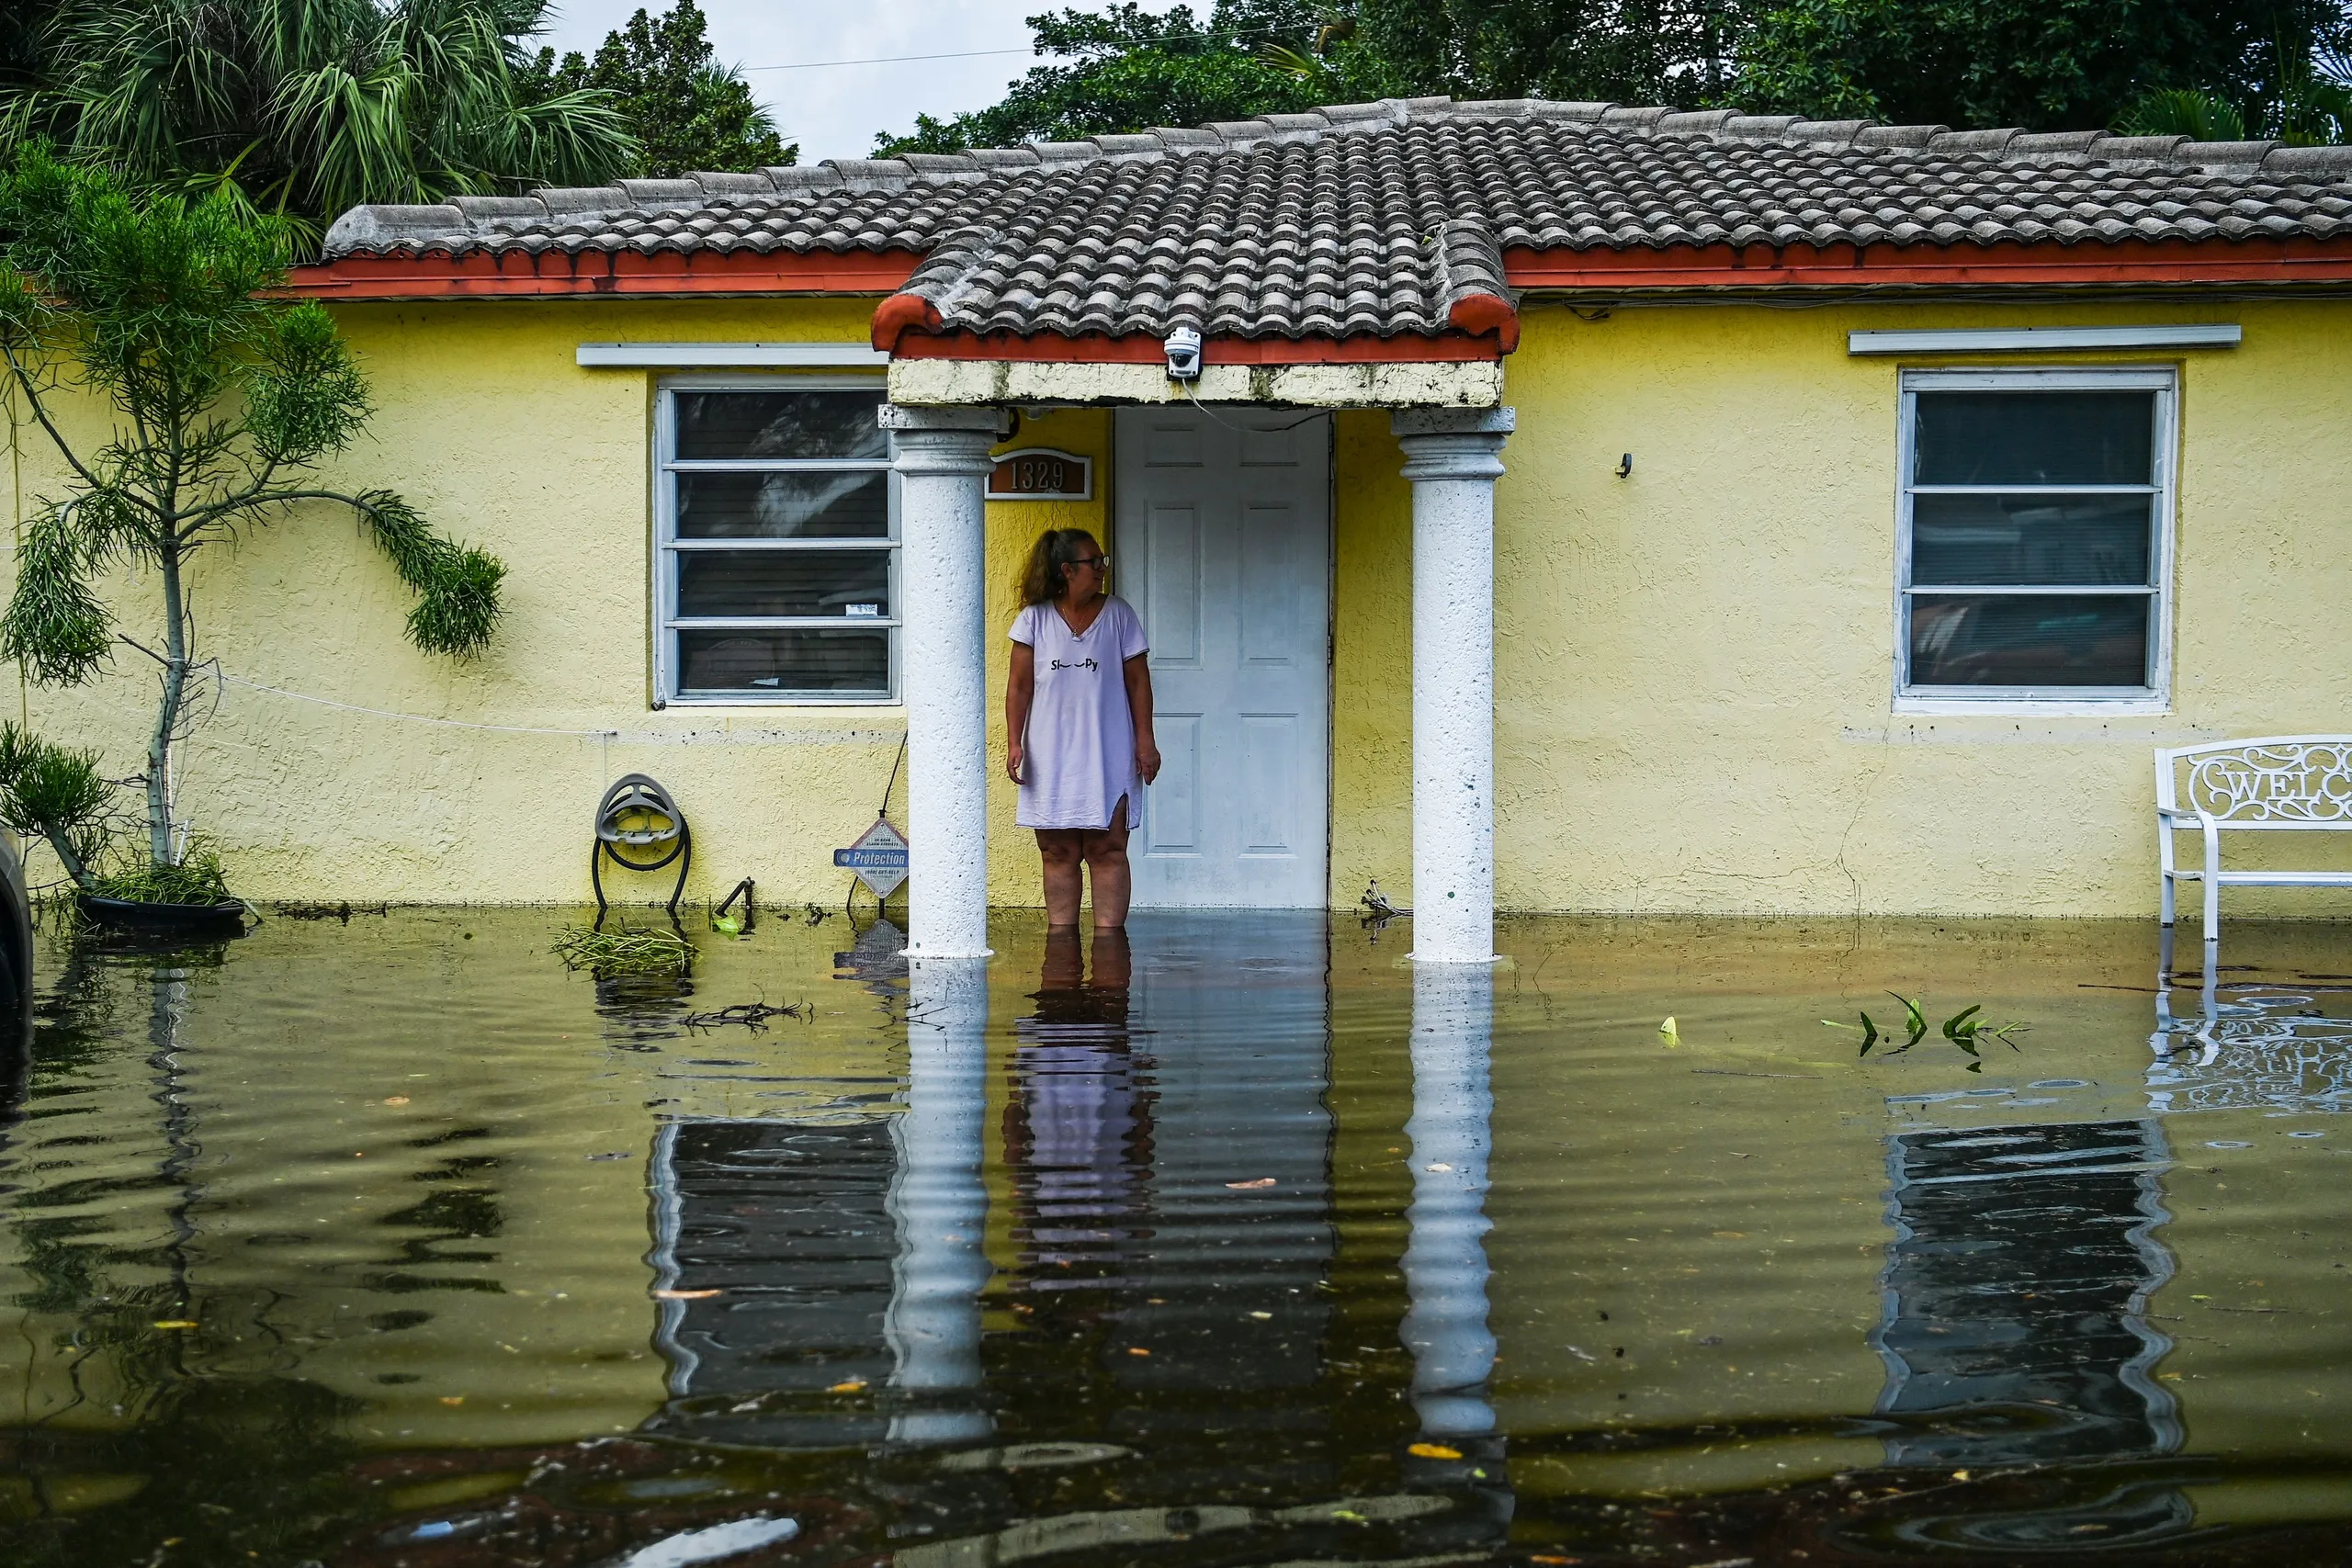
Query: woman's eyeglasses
pixel 1097 562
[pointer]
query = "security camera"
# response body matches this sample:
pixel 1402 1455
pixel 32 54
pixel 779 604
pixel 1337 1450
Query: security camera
pixel 1184 346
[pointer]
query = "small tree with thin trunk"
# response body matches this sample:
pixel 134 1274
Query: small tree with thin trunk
pixel 224 397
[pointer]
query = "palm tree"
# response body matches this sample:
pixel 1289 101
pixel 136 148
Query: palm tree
pixel 302 108
pixel 2303 96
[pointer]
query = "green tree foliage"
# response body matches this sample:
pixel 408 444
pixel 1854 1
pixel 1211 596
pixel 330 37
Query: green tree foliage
pixel 2279 68
pixel 1131 70
pixel 50 793
pixel 1631 51
pixel 224 398
pixel 2044 64
pixel 303 108
pixel 2296 87
pixel 688 112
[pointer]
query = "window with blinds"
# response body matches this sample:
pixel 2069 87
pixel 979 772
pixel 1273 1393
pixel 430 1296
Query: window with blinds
pixel 776 562
pixel 2035 533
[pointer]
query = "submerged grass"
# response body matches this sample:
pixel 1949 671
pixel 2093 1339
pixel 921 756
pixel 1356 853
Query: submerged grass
pixel 622 952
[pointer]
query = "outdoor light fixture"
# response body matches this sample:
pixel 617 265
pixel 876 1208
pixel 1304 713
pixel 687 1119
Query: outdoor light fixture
pixel 1184 345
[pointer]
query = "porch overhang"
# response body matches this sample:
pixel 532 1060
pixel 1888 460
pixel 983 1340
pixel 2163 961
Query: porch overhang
pixel 1392 384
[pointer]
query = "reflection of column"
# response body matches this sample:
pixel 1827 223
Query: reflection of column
pixel 164 1020
pixel 943 461
pixel 1454 456
pixel 1445 1258
pixel 940 1207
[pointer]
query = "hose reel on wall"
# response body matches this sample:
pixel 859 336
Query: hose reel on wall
pixel 637 816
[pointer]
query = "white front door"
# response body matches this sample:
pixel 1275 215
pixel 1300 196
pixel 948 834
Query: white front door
pixel 1222 543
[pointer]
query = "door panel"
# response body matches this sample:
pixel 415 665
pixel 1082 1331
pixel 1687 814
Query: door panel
pixel 1171 605
pixel 1269 744
pixel 1224 547
pixel 1171 821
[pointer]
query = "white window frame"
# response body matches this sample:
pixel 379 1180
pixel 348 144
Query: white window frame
pixel 2155 697
pixel 668 547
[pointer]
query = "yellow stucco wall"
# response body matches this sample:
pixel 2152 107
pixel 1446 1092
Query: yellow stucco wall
pixel 1692 664
pixel 485 421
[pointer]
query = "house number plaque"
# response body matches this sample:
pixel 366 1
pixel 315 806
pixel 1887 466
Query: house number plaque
pixel 1040 473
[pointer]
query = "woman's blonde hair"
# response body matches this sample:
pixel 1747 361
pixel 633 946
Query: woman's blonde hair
pixel 1046 577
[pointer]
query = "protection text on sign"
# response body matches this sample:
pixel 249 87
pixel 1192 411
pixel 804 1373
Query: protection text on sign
pixel 879 859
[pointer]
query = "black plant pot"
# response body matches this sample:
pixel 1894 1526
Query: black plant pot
pixel 213 920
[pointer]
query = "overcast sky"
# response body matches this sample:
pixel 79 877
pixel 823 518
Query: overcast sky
pixel 834 111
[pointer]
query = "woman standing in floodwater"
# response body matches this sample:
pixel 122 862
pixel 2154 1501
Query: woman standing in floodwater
pixel 1078 718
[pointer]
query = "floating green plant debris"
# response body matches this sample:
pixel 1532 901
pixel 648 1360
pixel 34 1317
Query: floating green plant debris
pixel 622 952
pixel 304 909
pixel 752 1015
pixel 1963 1028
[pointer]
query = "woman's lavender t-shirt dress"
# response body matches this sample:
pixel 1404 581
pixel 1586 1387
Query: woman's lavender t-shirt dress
pixel 1082 736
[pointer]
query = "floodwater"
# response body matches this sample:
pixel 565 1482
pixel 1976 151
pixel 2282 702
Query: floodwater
pixel 390 1242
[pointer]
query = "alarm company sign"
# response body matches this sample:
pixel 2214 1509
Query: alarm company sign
pixel 1040 473
pixel 878 858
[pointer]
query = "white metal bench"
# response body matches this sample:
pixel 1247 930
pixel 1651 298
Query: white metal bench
pixel 2291 784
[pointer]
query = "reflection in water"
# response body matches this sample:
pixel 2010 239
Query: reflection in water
pixel 1078 1127
pixel 772 1257
pixel 803 1269
pixel 1171 1224
pixel 2016 1327
pixel 1448 1140
pixel 1445 1262
pixel 336 1252
pixel 941 1207
pixel 2260 1046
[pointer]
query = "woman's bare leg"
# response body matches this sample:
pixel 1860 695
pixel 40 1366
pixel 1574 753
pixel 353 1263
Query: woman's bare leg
pixel 1062 850
pixel 1106 865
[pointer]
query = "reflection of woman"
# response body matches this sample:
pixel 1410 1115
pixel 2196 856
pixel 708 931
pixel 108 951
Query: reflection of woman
pixel 1078 1125
pixel 1078 716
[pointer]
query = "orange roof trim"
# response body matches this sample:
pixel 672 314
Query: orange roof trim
pixel 510 273
pixel 2125 265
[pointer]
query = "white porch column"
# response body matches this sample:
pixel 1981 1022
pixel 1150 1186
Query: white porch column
pixel 1452 456
pixel 943 464
pixel 940 1207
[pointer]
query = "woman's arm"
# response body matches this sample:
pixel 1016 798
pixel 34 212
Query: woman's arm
pixel 1020 690
pixel 1138 674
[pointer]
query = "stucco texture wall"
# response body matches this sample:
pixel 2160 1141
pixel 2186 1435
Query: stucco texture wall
pixel 1694 664
pixel 485 421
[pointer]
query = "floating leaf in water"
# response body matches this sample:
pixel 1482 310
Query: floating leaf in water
pixel 1261 1181
pixel 1668 1032
pixel 1433 1450
pixel 1963 1028
pixel 176 1323
pixel 1867 1030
